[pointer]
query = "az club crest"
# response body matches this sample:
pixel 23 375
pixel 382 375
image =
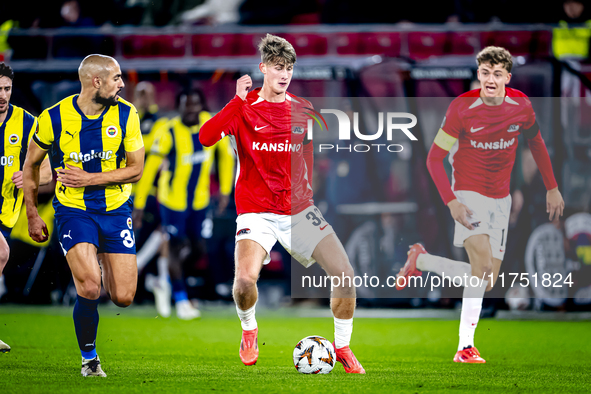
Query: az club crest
pixel 298 130
pixel 513 128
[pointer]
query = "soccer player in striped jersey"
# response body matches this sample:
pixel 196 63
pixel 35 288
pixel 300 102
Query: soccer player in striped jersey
pixel 183 191
pixel 479 132
pixel 95 145
pixel 17 126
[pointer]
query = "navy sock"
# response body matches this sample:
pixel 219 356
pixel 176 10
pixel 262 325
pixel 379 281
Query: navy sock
pixel 179 291
pixel 86 320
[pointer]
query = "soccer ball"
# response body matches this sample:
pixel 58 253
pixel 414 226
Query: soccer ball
pixel 314 354
pixel 517 298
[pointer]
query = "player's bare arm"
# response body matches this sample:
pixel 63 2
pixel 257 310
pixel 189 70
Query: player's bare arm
pixel 31 176
pixel 554 203
pixel 45 175
pixel 76 177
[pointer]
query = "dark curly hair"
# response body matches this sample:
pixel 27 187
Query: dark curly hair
pixel 6 71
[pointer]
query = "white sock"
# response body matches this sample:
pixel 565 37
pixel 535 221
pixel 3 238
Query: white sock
pixel 471 307
pixel 247 318
pixel 343 328
pixel 149 250
pixel 442 266
pixel 2 286
pixel 163 268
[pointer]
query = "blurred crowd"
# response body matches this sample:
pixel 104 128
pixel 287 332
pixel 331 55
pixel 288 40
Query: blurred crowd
pixel 75 13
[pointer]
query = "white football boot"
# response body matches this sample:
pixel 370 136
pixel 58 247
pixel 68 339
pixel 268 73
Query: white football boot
pixel 4 348
pixel 186 311
pixel 92 367
pixel 162 291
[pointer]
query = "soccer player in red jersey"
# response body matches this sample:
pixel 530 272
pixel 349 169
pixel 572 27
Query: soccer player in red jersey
pixel 274 194
pixel 479 132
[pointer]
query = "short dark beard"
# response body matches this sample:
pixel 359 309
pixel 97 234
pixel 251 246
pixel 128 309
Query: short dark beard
pixel 105 101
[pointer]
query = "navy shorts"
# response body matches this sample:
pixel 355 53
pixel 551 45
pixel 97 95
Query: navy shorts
pixel 184 224
pixel 110 232
pixel 5 231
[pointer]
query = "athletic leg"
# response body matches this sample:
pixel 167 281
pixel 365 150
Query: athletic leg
pixel 331 256
pixel 481 261
pixel 119 277
pixel 249 257
pixel 87 279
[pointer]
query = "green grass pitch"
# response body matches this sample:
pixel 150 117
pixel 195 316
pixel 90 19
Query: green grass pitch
pixel 141 353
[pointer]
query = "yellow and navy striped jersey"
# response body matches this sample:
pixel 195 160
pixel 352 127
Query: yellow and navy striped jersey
pixel 93 143
pixel 184 180
pixel 149 124
pixel 16 132
pixel 150 121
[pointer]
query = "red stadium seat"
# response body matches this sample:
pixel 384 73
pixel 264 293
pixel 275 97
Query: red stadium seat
pixel 464 43
pixel 154 46
pixel 308 44
pixel 521 43
pixel 220 45
pixel 367 43
pixel 423 45
pixel 246 44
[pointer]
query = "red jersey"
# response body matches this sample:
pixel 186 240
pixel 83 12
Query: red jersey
pixel 274 159
pixel 484 153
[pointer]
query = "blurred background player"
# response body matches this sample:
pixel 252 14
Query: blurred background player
pixel 17 127
pixel 480 132
pixel 149 236
pixel 147 109
pixel 96 148
pixel 183 193
pixel 274 195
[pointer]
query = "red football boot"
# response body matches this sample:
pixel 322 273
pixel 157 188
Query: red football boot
pixel 346 357
pixel 469 355
pixel 249 347
pixel 410 267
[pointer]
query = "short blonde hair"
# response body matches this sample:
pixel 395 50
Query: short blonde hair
pixel 495 55
pixel 276 50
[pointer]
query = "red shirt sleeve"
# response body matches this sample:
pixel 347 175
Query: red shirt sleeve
pixel 452 123
pixel 452 126
pixel 309 159
pixel 438 174
pixel 540 153
pixel 222 124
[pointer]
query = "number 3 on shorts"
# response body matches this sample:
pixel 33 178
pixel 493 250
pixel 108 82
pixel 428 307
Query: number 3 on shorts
pixel 128 240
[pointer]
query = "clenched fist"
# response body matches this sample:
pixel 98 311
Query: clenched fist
pixel 242 85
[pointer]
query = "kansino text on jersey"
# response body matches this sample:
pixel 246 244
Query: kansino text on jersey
pixel 361 148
